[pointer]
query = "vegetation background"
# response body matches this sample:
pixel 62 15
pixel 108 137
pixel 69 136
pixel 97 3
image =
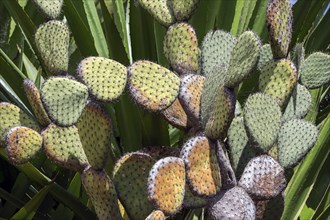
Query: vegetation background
pixel 123 31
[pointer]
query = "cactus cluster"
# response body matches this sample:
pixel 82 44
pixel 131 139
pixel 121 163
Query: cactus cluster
pixel 233 159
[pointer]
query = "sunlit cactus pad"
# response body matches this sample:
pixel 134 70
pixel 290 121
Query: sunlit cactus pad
pixel 203 171
pixel 63 146
pixel 262 117
pixel 278 79
pixel 183 9
pixel 105 78
pixel 298 104
pixel 217 47
pixel 22 144
pixel 263 178
pixel 130 177
pixel 190 96
pixel 176 116
pixel 181 48
pixel 166 184
pixel 156 215
pixel 234 203
pixel 64 99
pixel 160 10
pixel 295 139
pixel 101 191
pixel 34 98
pixel 94 128
pixel 52 40
pixel 279 23
pixel 266 56
pixel 12 116
pixel 152 86
pixel 244 58
pixel 315 70
pixel 51 8
pixel 159 152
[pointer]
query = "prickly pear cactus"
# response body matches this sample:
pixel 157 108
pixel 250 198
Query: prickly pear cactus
pixel 183 9
pixel 50 8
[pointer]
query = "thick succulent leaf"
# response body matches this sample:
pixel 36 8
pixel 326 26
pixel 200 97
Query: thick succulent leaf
pixel 183 9
pixel 176 116
pixel 51 8
pixel 22 144
pixel 152 86
pixel 266 56
pixel 298 56
pixel 156 215
pixel 64 99
pixel 52 40
pixel 105 78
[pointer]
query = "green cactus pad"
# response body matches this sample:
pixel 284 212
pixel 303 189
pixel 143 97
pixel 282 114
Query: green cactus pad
pixel 298 105
pixel 52 40
pixel 315 71
pixel 234 203
pixel 263 178
pixel 183 9
pixel 190 96
pixel 22 144
pixel 192 201
pixel 130 177
pixel 298 56
pixel 51 8
pixel 241 151
pixel 160 9
pixel 12 116
pixel 105 78
pixel 279 23
pixel 159 152
pixel 262 118
pixel 34 98
pixel 295 139
pixel 166 184
pixel 94 128
pixel 203 171
pixel 266 56
pixel 217 47
pixel 238 109
pixel 156 215
pixel 244 58
pixel 176 116
pixel 63 146
pixel 101 191
pixel 181 48
pixel 217 118
pixel 152 86
pixel 278 79
pixel 64 99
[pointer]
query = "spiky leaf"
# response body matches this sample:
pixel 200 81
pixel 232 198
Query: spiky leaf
pixel 51 8
pixel 266 56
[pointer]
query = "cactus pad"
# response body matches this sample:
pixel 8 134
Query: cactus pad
pixel 203 171
pixel 190 96
pixel 63 146
pixel 234 203
pixel 279 23
pixel 130 177
pixel 12 116
pixel 64 99
pixel 183 9
pixel 298 56
pixel 94 128
pixel 22 144
pixel 160 9
pixel 315 71
pixel 176 116
pixel 298 104
pixel 262 117
pixel 217 47
pixel 159 152
pixel 278 79
pixel 244 58
pixel 33 96
pixel 52 40
pixel 166 184
pixel 105 78
pixel 193 202
pixel 102 193
pixel 181 48
pixel 295 139
pixel 152 86
pixel 156 215
pixel 263 178
pixel 51 8
pixel 266 56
